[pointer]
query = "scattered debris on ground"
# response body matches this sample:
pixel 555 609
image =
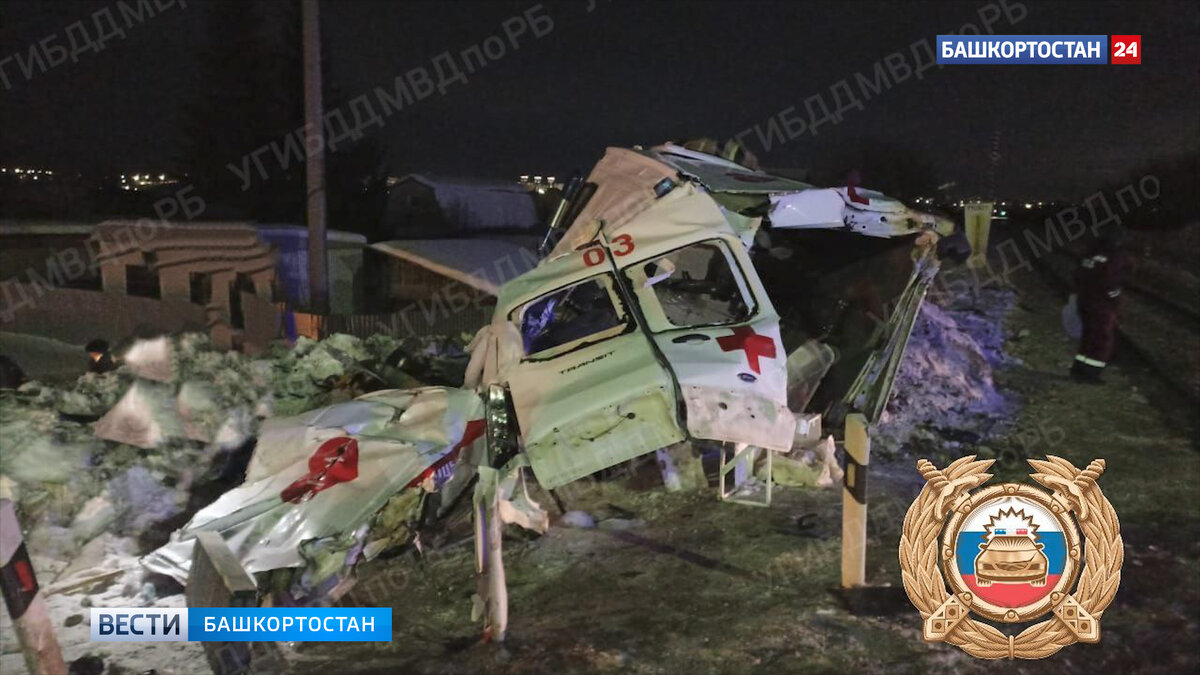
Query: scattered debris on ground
pixel 137 451
pixel 104 468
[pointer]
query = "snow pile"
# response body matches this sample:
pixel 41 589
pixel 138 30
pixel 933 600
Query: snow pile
pixel 944 394
pixel 105 573
pixel 101 470
pixel 92 395
pixel 124 450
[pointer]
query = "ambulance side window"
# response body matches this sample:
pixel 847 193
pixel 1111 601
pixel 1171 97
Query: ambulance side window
pixel 697 285
pixel 570 317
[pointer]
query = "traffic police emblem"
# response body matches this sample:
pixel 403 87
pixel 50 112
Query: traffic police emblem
pixel 1012 554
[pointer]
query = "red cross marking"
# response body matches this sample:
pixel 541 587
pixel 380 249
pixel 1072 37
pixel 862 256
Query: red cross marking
pixel 754 344
pixel 336 461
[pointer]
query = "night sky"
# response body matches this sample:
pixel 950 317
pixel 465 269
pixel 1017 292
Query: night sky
pixel 645 72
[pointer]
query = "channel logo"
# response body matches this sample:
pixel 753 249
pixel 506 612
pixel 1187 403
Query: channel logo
pixel 132 624
pixel 1037 49
pixel 228 624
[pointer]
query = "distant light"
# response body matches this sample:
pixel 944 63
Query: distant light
pixel 549 179
pixel 541 191
pixel 1028 205
pixel 162 176
pixel 35 177
pixel 16 171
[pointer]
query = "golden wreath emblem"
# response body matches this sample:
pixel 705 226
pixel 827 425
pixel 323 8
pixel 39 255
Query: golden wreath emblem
pixel 1011 553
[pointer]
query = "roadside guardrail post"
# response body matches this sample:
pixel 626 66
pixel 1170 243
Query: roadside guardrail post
pixel 854 502
pixel 22 596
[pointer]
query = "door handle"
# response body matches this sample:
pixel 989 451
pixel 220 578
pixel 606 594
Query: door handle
pixel 691 337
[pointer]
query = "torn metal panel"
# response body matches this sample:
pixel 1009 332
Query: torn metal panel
pixel 873 387
pixel 718 174
pixel 494 350
pixel 815 209
pixel 738 417
pixel 515 506
pixel 625 181
pixel 806 367
pixel 861 211
pixel 813 465
pixel 325 475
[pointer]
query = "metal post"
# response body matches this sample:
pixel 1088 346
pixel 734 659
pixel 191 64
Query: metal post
pixel 26 606
pixel 314 144
pixel 491 595
pixel 217 579
pixel 854 502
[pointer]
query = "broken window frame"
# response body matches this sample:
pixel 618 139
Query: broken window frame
pixel 609 282
pixel 656 318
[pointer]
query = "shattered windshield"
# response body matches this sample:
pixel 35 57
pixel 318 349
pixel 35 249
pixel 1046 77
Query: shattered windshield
pixel 697 285
pixel 563 319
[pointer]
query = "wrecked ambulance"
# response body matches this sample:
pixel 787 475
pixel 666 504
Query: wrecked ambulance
pixel 646 325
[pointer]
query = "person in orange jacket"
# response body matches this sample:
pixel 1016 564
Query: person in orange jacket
pixel 1098 285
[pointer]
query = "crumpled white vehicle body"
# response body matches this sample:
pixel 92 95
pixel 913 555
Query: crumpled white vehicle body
pixel 647 323
pixel 294 493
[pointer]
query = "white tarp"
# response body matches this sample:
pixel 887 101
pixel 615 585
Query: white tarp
pixel 326 472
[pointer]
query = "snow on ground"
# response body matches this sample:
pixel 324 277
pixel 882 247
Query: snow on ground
pixel 945 383
pixel 44 358
pixel 120 582
pixel 104 467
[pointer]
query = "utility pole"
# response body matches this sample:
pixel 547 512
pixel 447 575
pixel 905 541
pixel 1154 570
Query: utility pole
pixel 314 143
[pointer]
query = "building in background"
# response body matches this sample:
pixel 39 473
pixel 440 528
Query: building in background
pixel 222 267
pixel 426 207
pixel 120 279
pixel 27 245
pixel 447 286
pixel 343 251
